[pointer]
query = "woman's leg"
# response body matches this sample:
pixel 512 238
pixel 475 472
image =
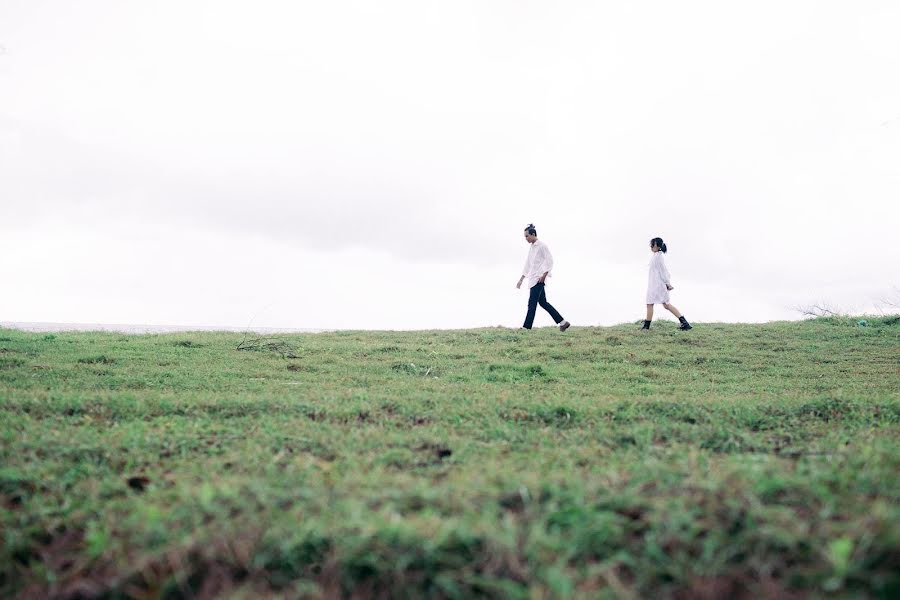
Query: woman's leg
pixel 672 310
pixel 649 312
pixel 684 324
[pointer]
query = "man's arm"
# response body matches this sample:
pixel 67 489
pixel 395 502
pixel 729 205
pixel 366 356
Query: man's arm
pixel 546 263
pixel 525 270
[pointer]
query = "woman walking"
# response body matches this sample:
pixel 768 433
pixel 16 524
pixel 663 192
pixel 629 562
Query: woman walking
pixel 659 285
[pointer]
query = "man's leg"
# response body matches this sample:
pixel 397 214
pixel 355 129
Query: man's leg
pixel 542 300
pixel 532 305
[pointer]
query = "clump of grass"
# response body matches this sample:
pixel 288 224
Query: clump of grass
pixel 101 359
pixel 515 372
pixel 10 362
pixel 187 344
pixel 415 370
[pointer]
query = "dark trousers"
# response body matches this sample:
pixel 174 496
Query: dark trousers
pixel 538 296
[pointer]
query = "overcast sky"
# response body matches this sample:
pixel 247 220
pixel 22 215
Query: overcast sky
pixel 372 164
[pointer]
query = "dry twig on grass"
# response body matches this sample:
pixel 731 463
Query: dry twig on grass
pixel 820 309
pixel 888 305
pixel 270 344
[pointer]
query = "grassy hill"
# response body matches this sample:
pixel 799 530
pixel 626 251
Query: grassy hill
pixel 729 461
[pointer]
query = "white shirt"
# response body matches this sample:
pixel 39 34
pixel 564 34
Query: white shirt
pixel 539 261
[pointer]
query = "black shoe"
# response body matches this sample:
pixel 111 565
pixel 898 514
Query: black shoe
pixel 646 326
pixel 564 325
pixel 685 326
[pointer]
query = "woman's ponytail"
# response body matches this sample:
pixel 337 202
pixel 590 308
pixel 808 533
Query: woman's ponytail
pixel 659 243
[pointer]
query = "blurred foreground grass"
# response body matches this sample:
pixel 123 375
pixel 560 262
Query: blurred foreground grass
pixel 729 461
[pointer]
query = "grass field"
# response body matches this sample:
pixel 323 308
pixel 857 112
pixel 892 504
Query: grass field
pixel 729 461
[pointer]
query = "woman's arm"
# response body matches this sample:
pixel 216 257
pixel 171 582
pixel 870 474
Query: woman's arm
pixel 664 272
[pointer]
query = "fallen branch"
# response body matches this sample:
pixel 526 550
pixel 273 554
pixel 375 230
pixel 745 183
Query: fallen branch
pixel 270 344
pixel 820 309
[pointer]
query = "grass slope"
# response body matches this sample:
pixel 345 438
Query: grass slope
pixel 729 461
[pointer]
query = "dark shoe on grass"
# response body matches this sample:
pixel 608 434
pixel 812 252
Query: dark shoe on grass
pixel 564 325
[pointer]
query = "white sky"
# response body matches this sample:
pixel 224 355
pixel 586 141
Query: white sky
pixel 372 164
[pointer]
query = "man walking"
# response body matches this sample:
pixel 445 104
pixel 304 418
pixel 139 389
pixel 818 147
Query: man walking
pixel 537 269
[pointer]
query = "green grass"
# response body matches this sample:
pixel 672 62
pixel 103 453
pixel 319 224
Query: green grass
pixel 729 461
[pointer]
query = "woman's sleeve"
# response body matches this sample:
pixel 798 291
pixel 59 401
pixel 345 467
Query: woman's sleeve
pixel 663 271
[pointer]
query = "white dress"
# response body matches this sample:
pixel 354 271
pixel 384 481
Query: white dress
pixel 657 280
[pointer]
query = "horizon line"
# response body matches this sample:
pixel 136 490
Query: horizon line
pixel 138 329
